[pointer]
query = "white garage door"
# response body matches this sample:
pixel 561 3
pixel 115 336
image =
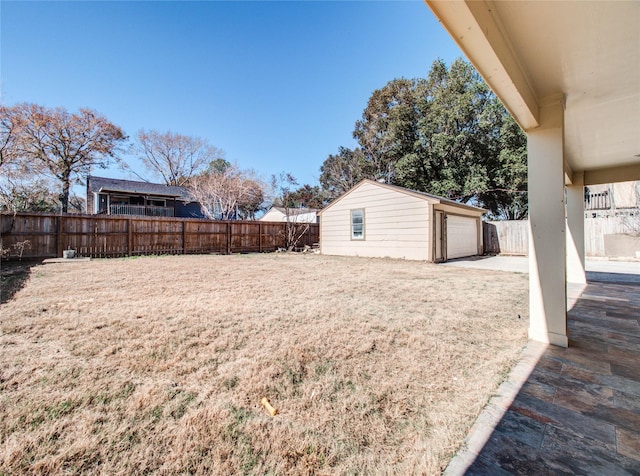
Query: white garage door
pixel 462 236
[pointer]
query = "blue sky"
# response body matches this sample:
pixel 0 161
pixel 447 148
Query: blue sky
pixel 277 85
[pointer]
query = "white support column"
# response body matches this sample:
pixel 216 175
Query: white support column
pixel 547 240
pixel 575 230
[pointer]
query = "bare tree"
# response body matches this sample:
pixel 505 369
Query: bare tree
pixel 631 219
pixel 285 196
pixel 14 173
pixel 253 200
pixel 174 158
pixel 66 146
pixel 227 192
pixel 21 194
pixel 10 128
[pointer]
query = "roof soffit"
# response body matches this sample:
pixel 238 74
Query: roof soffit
pixel 478 30
pixel 587 51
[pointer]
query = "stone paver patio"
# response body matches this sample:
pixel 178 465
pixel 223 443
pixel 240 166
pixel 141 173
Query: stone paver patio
pixel 568 411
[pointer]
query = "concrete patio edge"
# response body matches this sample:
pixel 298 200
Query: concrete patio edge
pixel 494 410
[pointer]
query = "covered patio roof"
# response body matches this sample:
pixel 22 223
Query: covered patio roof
pixel 587 53
pixel 569 73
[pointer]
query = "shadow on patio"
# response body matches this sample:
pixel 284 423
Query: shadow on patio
pixel 569 411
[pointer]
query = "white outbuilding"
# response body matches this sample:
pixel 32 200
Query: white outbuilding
pixel 378 220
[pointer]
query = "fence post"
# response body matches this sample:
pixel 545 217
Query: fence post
pixel 129 237
pixel 59 245
pixel 184 237
pixel 228 237
pixel 260 236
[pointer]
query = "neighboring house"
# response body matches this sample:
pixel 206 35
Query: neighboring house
pixel 128 197
pixel 613 199
pixel 379 220
pixel 296 215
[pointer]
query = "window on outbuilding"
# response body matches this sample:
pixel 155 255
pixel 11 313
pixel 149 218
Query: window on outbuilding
pixel 357 224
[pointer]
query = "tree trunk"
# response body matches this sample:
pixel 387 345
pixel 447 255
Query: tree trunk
pixel 64 196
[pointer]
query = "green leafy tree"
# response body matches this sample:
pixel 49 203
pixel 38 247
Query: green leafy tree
pixel 387 132
pixel 453 140
pixel 218 166
pixel 307 196
pixel 507 199
pixel 340 172
pixel 447 134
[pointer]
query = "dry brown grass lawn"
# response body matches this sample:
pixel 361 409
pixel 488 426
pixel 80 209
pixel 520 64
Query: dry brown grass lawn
pixel 158 365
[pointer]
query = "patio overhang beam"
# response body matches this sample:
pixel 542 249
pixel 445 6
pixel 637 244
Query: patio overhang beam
pixel 622 173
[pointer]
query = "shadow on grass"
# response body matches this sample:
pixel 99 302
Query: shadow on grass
pixel 13 276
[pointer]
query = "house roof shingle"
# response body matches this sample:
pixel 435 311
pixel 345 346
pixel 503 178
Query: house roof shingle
pixel 103 184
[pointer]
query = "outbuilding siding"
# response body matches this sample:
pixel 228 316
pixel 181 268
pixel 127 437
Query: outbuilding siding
pixel 397 225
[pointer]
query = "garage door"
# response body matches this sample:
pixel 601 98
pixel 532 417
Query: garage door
pixel 462 236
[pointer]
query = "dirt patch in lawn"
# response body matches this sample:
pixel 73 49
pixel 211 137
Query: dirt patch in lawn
pixel 158 365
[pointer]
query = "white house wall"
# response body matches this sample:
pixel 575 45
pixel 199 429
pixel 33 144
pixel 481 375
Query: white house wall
pixel 397 225
pixel 274 215
pixel 277 215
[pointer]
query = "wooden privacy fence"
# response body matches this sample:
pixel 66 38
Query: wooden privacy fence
pixel 37 235
pixel 505 237
pixel 512 237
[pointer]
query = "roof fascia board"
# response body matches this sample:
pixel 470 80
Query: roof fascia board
pixel 154 194
pixel 623 173
pixel 477 29
pixel 406 191
pixel 434 199
pixel 428 198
